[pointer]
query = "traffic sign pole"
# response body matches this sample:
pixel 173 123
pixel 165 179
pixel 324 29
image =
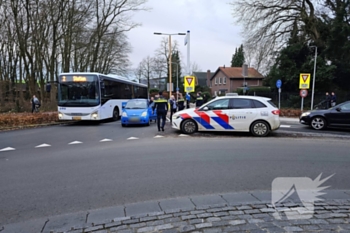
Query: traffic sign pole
pixel 279 98
pixel 278 85
pixel 302 103
pixel 303 94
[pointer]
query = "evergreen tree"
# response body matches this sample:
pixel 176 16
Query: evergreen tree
pixel 297 57
pixel 238 57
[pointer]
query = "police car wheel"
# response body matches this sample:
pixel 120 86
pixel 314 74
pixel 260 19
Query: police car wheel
pixel 260 129
pixel 123 125
pixel 189 126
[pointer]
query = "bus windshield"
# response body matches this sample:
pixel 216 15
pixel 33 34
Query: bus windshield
pixel 78 91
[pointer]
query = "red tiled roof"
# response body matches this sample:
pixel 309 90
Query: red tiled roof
pixel 236 72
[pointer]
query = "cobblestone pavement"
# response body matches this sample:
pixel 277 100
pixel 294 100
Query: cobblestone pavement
pixel 232 212
pixel 329 217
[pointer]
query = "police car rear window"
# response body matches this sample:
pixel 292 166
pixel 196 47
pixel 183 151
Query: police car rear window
pixel 270 102
pixel 258 104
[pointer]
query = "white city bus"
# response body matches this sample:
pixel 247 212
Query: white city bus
pixel 94 96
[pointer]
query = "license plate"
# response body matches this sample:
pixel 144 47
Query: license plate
pixel 134 119
pixel 76 118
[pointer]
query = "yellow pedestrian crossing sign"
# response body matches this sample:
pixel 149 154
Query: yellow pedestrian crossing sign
pixel 189 83
pixel 304 81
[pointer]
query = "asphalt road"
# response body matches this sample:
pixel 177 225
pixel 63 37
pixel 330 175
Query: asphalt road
pixel 135 165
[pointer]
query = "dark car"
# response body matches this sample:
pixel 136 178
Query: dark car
pixel 337 116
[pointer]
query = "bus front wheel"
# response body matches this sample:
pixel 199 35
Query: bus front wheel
pixel 115 114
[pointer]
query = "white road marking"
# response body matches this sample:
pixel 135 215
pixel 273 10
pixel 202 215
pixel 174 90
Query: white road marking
pixel 42 145
pixel 285 126
pixel 167 119
pixel 75 142
pixel 159 136
pixel 106 140
pixel 132 138
pixel 183 135
pixel 7 149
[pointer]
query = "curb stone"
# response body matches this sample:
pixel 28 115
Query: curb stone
pixel 211 215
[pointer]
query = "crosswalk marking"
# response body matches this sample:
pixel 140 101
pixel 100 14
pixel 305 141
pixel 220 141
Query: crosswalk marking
pixel 43 145
pixel 285 126
pixel 132 138
pixel 159 136
pixel 75 142
pixel 7 149
pixel 106 140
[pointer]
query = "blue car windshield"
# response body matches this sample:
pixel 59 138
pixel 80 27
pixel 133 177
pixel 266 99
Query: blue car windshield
pixel 136 104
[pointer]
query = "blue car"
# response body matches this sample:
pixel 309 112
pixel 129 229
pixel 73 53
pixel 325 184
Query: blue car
pixel 137 111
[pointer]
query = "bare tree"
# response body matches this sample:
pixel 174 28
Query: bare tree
pixel 260 57
pixel 273 20
pixel 146 68
pixel 162 53
pixel 195 67
pixel 41 38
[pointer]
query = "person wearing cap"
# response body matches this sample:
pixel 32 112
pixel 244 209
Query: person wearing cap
pixel 161 104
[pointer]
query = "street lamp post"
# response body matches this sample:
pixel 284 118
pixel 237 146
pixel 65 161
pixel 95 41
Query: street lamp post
pixel 159 33
pixel 314 78
pixel 177 78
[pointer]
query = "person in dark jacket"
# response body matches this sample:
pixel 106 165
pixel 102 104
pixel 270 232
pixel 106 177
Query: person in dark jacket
pixel 188 99
pixel 328 100
pixel 205 98
pixel 199 100
pixel 333 99
pixel 181 102
pixel 161 105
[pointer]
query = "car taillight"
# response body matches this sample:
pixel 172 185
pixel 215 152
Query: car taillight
pixel 276 112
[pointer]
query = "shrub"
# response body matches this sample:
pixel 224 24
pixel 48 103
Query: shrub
pixel 25 119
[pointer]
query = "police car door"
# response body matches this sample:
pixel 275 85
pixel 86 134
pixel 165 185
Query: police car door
pixel 215 115
pixel 242 114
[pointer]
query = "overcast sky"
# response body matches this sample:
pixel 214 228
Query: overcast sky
pixel 214 34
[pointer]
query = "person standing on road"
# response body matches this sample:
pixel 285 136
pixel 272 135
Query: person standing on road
pixel 199 100
pixel 161 104
pixel 173 107
pixel 205 98
pixel 333 99
pixel 188 99
pixel 181 102
pixel 328 101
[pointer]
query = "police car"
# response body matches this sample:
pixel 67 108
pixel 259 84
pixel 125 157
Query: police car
pixel 257 115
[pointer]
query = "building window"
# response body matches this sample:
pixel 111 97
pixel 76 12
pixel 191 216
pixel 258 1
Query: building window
pixel 216 81
pixel 219 80
pixel 224 82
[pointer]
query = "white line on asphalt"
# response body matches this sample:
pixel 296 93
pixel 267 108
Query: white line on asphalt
pixel 183 135
pixel 106 140
pixel 132 138
pixel 167 119
pixel 42 145
pixel 75 142
pixel 159 136
pixel 7 149
pixel 284 126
